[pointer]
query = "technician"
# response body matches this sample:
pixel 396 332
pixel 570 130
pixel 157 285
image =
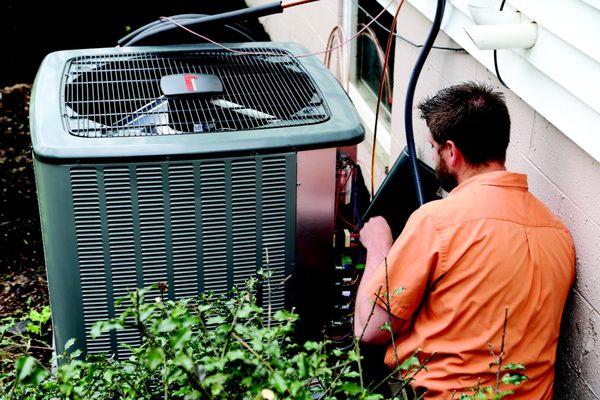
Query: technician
pixel 462 261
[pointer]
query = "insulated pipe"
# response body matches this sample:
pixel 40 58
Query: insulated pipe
pixel 154 24
pixel 258 11
pixel 410 95
pixel 183 19
pixel 155 29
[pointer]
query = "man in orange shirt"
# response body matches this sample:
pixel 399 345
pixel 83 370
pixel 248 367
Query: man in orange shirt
pixel 460 262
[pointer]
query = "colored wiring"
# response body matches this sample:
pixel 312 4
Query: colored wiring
pixel 355 200
pixel 353 282
pixel 337 197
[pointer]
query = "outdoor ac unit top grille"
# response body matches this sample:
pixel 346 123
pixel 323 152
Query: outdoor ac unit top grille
pixel 121 95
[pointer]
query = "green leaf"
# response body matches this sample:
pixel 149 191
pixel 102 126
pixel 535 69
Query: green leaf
pixel 234 355
pixel 410 362
pixel 29 371
pixel 146 312
pixel 184 361
pixel 217 320
pixel 284 315
pixel 35 329
pixel 279 383
pixel 310 345
pixel 350 388
pixel 398 291
pixel 513 367
pixel 108 375
pixel 513 379
pixel 167 325
pixel 386 327
pixel 69 344
pixel 216 383
pixel 154 358
pixel 101 327
pixel 181 338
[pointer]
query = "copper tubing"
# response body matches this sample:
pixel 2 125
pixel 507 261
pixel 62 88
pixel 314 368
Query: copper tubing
pixel 380 93
pixel 293 3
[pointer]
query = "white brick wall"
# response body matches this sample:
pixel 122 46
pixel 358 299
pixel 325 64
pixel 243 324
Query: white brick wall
pixel 560 173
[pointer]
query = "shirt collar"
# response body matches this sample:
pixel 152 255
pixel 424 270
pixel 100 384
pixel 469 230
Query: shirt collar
pixel 496 178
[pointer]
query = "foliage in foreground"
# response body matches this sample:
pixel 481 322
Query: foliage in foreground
pixel 210 348
pixel 213 347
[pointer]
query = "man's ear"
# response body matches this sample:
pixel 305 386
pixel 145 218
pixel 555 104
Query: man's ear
pixel 454 154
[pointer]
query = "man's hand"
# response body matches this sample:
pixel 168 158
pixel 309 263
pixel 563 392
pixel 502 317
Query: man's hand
pixel 376 236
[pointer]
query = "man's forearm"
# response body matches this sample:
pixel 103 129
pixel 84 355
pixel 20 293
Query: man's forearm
pixel 364 305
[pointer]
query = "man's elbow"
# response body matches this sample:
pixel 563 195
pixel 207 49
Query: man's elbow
pixel 369 331
pixel 372 336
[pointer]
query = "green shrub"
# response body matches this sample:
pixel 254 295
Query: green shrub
pixel 215 347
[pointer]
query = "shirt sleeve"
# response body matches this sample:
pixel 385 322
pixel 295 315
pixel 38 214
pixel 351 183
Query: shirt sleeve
pixel 411 264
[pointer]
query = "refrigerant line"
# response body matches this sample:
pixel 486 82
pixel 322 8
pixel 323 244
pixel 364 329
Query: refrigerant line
pixel 235 51
pixel 295 3
pixel 388 50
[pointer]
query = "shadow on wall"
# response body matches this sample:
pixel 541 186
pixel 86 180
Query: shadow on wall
pixel 29 31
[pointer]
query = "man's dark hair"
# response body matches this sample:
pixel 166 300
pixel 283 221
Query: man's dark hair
pixel 474 116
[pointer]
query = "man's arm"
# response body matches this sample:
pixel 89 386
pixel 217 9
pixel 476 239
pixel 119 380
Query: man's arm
pixel 412 261
pixel 376 237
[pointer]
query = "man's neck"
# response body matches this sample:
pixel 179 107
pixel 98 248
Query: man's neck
pixel 470 172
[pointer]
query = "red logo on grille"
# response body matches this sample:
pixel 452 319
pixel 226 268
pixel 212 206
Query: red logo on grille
pixel 190 82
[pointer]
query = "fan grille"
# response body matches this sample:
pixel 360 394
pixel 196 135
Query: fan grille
pixel 120 95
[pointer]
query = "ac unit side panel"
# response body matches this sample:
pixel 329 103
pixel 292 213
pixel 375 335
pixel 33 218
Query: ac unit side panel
pixel 60 253
pixel 315 214
pixel 195 225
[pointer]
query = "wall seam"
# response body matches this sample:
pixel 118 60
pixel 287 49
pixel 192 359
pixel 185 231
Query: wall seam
pixel 532 133
pixel 581 379
pixel 577 291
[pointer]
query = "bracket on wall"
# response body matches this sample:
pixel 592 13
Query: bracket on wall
pixel 495 29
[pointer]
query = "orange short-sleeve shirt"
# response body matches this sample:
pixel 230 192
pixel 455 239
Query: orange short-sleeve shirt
pixel 460 262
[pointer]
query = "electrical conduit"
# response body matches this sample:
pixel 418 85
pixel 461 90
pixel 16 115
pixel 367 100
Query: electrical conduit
pixel 410 94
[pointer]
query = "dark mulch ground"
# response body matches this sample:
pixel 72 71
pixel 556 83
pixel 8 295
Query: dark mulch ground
pixel 22 272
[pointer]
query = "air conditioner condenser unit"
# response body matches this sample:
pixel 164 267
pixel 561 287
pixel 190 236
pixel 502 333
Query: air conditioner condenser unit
pixel 184 165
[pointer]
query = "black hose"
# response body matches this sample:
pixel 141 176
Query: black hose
pixel 183 19
pixel 410 96
pixel 258 11
pixel 153 30
pixel 496 57
pixel 153 24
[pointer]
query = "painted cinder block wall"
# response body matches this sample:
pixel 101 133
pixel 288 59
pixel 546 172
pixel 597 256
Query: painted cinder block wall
pixel 560 173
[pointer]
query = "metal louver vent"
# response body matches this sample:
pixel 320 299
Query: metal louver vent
pixel 119 224
pixel 120 95
pixel 91 256
pixel 196 225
